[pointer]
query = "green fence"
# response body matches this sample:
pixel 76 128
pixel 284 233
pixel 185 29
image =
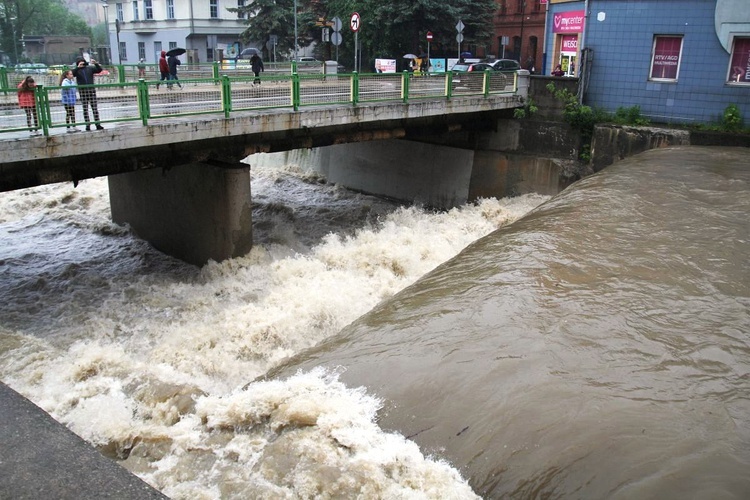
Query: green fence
pixel 145 100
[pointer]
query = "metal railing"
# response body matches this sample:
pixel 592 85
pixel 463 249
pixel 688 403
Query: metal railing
pixel 146 100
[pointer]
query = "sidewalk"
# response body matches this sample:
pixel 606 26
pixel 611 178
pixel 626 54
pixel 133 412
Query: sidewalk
pixel 41 458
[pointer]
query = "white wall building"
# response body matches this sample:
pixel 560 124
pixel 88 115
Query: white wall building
pixel 146 27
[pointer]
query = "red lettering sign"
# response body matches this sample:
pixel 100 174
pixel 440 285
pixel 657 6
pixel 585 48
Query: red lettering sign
pixel 569 43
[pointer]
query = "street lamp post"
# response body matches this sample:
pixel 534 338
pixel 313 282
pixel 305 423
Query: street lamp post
pixel 105 6
pixel 15 42
pixel 295 30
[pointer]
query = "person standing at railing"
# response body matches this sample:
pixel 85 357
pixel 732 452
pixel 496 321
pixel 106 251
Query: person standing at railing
pixel 142 68
pixel 172 63
pixel 84 74
pixel 257 66
pixel 163 69
pixel 27 102
pixel 68 98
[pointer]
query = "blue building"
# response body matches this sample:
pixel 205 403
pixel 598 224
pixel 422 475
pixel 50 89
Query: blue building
pixel 681 61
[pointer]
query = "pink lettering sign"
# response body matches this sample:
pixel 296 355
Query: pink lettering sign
pixel 568 22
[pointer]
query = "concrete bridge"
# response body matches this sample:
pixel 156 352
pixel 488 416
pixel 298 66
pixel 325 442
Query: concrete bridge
pixel 181 182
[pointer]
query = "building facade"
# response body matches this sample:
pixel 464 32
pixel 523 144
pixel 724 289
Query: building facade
pixel 680 61
pixel 141 29
pixel 519 31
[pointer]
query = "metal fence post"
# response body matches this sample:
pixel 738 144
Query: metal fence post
pixel 405 86
pixel 4 79
pixel 296 99
pixel 120 73
pixel 449 84
pixel 226 96
pixel 355 88
pixel 215 69
pixel 486 83
pixel 144 107
pixel 41 103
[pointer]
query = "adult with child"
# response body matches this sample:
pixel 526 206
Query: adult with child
pixel 68 98
pixel 27 102
pixel 84 74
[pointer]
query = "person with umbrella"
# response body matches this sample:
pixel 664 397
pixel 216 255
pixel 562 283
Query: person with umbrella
pixel 173 62
pixel 257 66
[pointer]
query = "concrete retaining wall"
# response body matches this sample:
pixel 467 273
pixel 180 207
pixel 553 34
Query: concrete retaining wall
pixel 612 143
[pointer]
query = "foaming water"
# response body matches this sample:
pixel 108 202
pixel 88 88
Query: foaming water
pixel 149 358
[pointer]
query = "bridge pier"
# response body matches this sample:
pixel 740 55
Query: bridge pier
pixel 195 212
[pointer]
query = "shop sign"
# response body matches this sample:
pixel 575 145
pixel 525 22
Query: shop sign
pixel 568 22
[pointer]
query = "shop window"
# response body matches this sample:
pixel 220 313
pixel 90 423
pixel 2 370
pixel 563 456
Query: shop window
pixel 739 63
pixel 665 58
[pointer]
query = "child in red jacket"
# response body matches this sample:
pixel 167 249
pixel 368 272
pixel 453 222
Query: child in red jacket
pixel 27 102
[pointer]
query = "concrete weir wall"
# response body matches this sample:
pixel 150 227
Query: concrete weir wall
pixel 195 212
pixel 512 159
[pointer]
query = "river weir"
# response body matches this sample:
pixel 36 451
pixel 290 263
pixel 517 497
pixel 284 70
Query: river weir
pixel 590 345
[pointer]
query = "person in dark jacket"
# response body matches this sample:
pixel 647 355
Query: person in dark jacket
pixel 257 66
pixel 172 63
pixel 84 74
pixel 163 68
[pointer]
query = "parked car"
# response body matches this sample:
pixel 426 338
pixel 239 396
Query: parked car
pixel 307 59
pixel 506 65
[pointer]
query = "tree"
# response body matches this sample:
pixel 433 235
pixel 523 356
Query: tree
pixel 391 28
pixel 276 17
pixel 36 17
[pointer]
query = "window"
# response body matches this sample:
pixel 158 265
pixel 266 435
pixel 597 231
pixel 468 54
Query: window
pixel 141 50
pixel 148 8
pixel 120 15
pixel 210 54
pixel 213 9
pixel 172 45
pixel 135 11
pixel 739 64
pixel 170 9
pixel 665 58
pixel 240 4
pixel 520 6
pixel 157 50
pixel 123 52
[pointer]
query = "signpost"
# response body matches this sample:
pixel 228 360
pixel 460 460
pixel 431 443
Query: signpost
pixel 336 35
pixel 429 39
pixel 460 37
pixel 354 24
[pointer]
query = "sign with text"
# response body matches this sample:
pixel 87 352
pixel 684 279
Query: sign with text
pixel 740 63
pixel 569 43
pixel 666 57
pixel 568 22
pixel 385 65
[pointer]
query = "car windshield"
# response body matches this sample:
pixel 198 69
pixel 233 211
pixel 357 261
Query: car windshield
pixel 460 67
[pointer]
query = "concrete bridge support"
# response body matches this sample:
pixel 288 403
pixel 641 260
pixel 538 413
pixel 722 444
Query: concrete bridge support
pixel 195 212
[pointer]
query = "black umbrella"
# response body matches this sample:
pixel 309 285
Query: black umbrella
pixel 177 51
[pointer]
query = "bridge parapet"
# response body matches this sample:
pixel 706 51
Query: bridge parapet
pixel 146 101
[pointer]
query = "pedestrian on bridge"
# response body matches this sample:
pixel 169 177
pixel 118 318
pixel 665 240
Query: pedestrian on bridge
pixel 27 102
pixel 257 67
pixel 172 63
pixel 84 74
pixel 163 68
pixel 68 98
